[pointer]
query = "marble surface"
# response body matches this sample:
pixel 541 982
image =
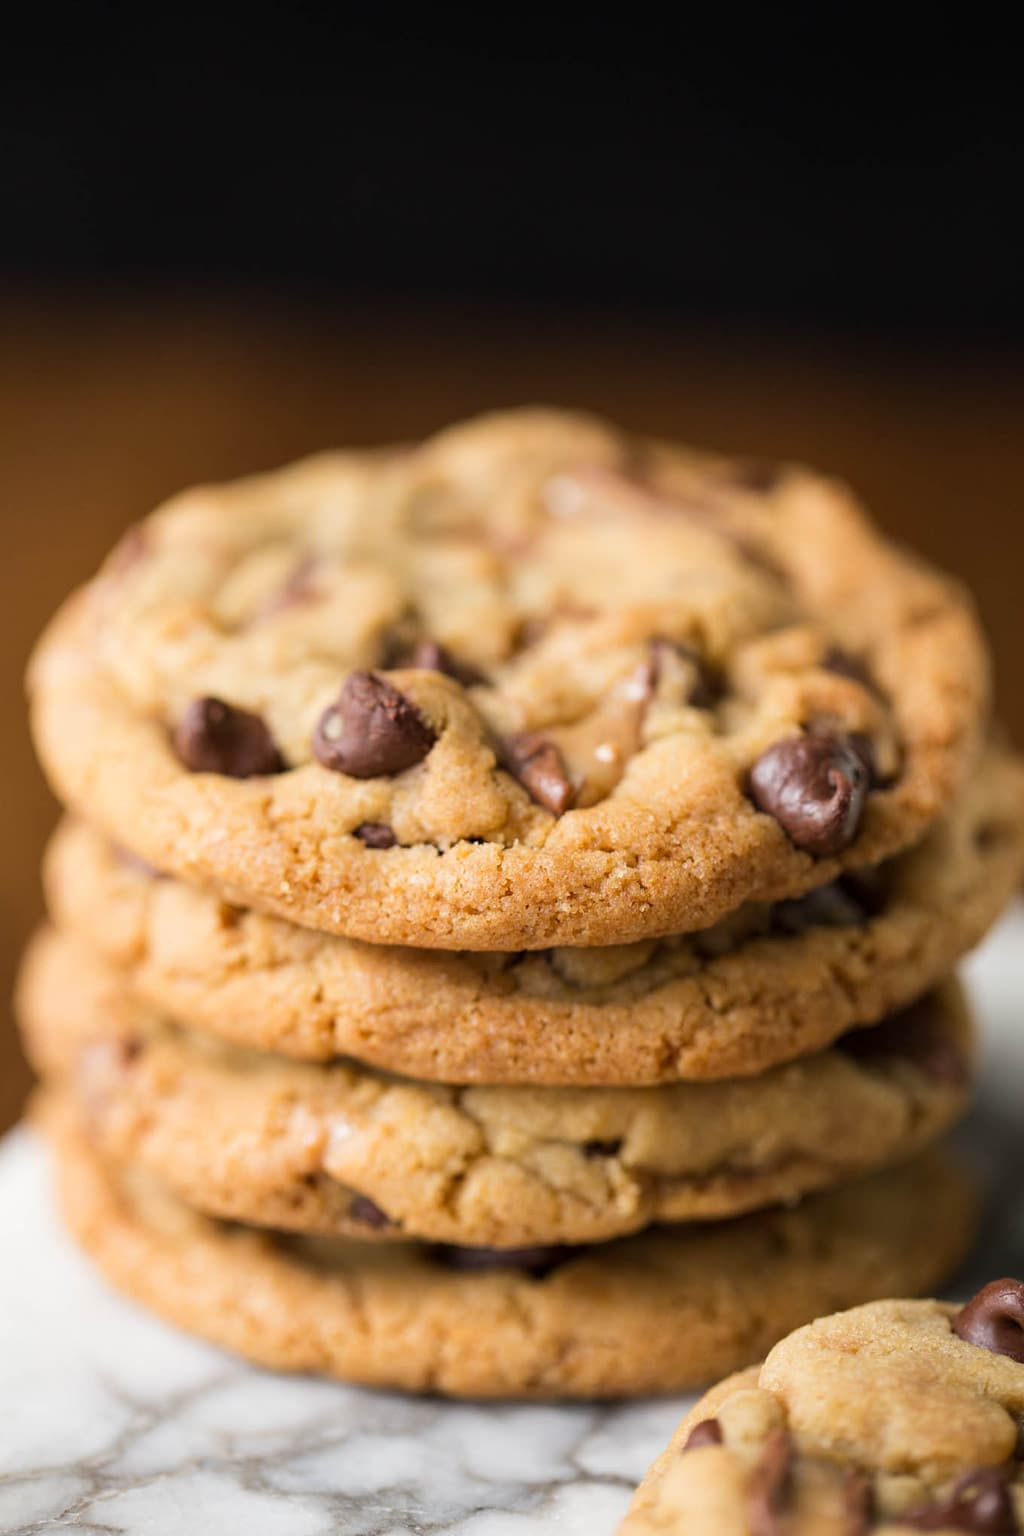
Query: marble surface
pixel 113 1423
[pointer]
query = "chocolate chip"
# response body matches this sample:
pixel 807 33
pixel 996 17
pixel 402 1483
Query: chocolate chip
pixel 858 1503
pixel 707 1432
pixel 994 1319
pixel 429 656
pixel 708 687
pixel 602 1148
pixel 537 763
pixel 537 1261
pixel 372 730
pixel 980 1502
pixel 363 1209
pixel 843 664
pixel 769 1484
pixel 815 787
pixel 915 1035
pixel 830 906
pixel 375 835
pixel 755 475
pixel 215 737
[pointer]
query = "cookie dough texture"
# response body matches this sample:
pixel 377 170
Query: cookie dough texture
pixel 765 985
pixel 658 1312
pixel 884 1409
pixel 301 1147
pixel 659 617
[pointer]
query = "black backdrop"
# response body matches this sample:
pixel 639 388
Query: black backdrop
pixel 819 173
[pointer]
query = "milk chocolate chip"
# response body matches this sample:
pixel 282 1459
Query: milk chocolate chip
pixel 372 730
pixel 815 787
pixel 215 737
pixel 994 1319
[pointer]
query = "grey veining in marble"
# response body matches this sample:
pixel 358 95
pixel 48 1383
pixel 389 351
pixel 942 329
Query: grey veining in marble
pixel 112 1423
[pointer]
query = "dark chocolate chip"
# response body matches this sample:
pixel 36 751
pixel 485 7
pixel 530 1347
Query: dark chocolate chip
pixel 843 664
pixel 708 688
pixel 375 835
pixel 537 1261
pixel 768 1487
pixel 602 1148
pixel 994 1319
pixel 372 730
pixel 537 763
pixel 363 1209
pixel 858 1503
pixel 429 656
pixel 830 906
pixel 916 1035
pixel 707 1432
pixel 815 787
pixel 980 1502
pixel 215 737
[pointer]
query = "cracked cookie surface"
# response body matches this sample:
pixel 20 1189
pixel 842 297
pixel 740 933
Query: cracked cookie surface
pixel 661 1311
pixel 763 986
pixel 342 1149
pixel 529 683
pixel 896 1417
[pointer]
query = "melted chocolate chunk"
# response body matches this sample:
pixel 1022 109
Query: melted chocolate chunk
pixel 768 1487
pixel 375 835
pixel 537 1261
pixel 364 1210
pixel 372 730
pixel 707 1432
pixel 815 787
pixel 215 737
pixel 980 1502
pixel 540 768
pixel 994 1319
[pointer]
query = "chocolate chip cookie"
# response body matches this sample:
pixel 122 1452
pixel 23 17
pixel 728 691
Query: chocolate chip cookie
pixel 897 1417
pixel 766 984
pixel 345 1150
pixel 531 683
pixel 657 1312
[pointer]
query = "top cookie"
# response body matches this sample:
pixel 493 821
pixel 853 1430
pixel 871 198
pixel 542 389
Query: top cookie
pixel 531 683
pixel 898 1416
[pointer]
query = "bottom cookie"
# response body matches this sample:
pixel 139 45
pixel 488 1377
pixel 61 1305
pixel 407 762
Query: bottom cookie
pixel 659 1312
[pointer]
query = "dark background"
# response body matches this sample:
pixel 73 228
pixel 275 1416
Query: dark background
pixel 822 170
pixel 230 238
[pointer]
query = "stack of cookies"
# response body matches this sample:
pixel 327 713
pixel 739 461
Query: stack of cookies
pixel 501 940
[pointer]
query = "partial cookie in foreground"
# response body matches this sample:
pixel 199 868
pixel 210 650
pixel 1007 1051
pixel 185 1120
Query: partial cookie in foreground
pixel 655 1313
pixel 531 683
pixel 899 1416
pixel 764 986
pixel 341 1149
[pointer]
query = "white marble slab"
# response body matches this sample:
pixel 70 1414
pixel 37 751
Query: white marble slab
pixel 111 1422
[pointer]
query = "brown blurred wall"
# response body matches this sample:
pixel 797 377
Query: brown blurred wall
pixel 108 405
